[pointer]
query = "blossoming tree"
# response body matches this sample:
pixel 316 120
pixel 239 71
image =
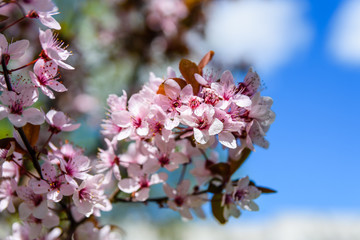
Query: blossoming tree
pixel 173 124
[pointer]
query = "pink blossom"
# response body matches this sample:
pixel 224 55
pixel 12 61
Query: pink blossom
pixel 205 125
pixel 180 201
pixel 241 194
pixel 117 103
pixel 109 162
pixel 90 195
pixel 173 101
pixel 15 107
pixel 58 122
pixel 39 227
pixel 88 231
pixel 140 180
pixel 7 193
pixel 164 155
pixel 157 120
pixel 24 232
pixel 43 10
pixel 5 154
pixel 44 76
pixel 76 167
pixel 35 204
pixel 134 154
pixel 11 169
pixel 13 50
pixel 165 15
pixel 202 171
pixel 66 151
pixel 251 83
pixel 227 90
pixel 55 186
pixel 52 49
pixel 134 120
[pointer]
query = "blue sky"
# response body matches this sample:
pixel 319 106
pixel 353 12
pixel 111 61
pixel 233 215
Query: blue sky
pixel 313 157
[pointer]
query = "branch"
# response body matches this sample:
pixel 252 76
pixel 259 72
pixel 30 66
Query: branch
pixel 30 150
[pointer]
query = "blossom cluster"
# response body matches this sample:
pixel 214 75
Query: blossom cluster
pixel 173 125
pixel 62 182
pixel 176 121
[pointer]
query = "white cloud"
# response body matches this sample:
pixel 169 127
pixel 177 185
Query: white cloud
pixel 344 39
pixel 287 226
pixel 262 33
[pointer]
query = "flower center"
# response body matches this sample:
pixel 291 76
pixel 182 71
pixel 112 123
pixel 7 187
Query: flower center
pixel 16 108
pixel 179 201
pixel 164 160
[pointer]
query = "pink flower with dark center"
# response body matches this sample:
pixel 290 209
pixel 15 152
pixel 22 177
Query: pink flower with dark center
pixel 13 50
pixel 157 119
pixel 241 194
pixel 166 156
pixel 44 76
pixel 35 204
pixel 7 193
pixel 133 120
pixel 55 186
pixel 39 227
pixel 250 85
pixel 66 151
pixel 76 167
pixel 90 195
pixel 15 107
pixel 140 180
pixel 227 90
pixel 42 10
pixel 24 232
pixel 205 125
pixel 180 201
pixel 109 162
pixel 58 122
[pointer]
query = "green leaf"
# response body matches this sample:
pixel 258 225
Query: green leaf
pixel 217 209
pixel 235 164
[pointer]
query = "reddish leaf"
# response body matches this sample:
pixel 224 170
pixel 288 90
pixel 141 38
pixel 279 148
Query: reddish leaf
pixel 5 143
pixel 235 164
pixel 222 169
pixel 161 89
pixel 215 186
pixel 180 81
pixel 3 18
pixel 188 69
pixel 32 133
pixel 217 209
pixel 205 60
pixel 266 190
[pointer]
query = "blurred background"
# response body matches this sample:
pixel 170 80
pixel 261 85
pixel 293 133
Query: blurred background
pixel 307 54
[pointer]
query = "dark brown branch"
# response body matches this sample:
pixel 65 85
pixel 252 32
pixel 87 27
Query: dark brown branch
pixel 30 150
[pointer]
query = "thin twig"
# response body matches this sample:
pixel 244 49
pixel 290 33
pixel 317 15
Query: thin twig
pixel 12 24
pixel 182 174
pixel 26 65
